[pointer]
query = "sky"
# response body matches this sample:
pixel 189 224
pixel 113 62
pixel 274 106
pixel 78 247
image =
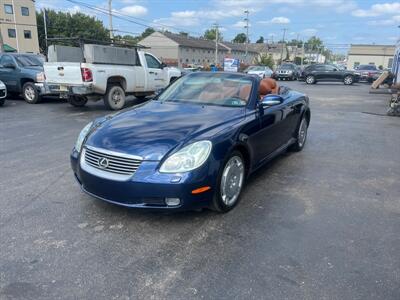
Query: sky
pixel 337 22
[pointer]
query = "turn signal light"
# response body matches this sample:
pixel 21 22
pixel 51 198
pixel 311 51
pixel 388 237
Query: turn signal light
pixel 201 190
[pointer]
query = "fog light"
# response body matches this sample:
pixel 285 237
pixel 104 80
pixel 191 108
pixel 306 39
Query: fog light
pixel 172 201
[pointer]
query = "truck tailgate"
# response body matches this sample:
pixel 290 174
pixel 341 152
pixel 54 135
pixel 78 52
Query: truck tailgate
pixel 68 73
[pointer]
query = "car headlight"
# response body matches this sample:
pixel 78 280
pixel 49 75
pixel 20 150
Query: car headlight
pixel 188 158
pixel 40 77
pixel 82 135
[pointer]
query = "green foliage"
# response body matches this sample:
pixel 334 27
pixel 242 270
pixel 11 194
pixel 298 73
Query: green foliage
pixel 265 60
pixel 260 40
pixel 62 25
pixel 209 34
pixel 147 32
pixel 240 38
pixel 295 42
pixel 314 43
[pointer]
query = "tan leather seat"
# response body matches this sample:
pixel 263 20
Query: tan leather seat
pixel 268 86
pixel 244 92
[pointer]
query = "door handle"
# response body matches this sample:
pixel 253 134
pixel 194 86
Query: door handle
pixel 151 72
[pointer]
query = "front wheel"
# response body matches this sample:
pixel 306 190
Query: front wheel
pixel 2 101
pixel 30 93
pixel 115 97
pixel 230 183
pixel 310 79
pixel 348 80
pixel 77 101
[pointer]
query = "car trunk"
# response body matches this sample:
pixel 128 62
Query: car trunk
pixel 63 73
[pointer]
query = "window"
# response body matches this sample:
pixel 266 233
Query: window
pixel 25 11
pixel 8 9
pixel 12 33
pixel 208 51
pixel 390 63
pixel 187 60
pixel 152 62
pixel 27 34
pixel 6 60
pixel 194 50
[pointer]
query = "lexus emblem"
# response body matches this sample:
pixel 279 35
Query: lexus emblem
pixel 103 162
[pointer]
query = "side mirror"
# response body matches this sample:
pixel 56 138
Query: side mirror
pixel 163 65
pixel 271 100
pixel 9 66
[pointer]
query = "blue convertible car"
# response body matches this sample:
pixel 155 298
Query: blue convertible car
pixel 192 147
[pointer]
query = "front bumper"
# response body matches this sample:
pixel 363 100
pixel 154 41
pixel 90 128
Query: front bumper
pixel 147 188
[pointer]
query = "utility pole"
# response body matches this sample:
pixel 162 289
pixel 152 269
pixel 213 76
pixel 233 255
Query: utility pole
pixel 216 44
pixel 110 19
pixel 45 30
pixel 283 42
pixel 247 31
pixel 302 53
pixel 15 25
pixel 1 43
pixel 297 40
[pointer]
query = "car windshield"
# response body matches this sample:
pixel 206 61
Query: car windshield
pixel 258 69
pixel 366 67
pixel 209 89
pixel 287 67
pixel 26 61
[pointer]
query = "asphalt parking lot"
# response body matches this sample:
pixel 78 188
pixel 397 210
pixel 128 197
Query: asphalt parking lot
pixel 320 224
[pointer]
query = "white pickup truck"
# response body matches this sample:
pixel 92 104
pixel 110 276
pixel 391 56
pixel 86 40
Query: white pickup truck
pixel 80 82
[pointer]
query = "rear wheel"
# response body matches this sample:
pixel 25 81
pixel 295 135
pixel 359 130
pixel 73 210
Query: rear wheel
pixel 230 183
pixel 115 97
pixel 77 101
pixel 310 79
pixel 348 80
pixel 301 135
pixel 30 93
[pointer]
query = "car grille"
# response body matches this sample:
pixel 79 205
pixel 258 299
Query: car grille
pixel 111 163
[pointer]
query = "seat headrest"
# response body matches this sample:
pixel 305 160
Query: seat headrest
pixel 268 86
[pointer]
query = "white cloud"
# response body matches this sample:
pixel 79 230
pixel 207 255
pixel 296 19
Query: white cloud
pixel 309 32
pixel 378 10
pixel 240 24
pixel 134 10
pixel 184 14
pixel 275 20
pixel 385 22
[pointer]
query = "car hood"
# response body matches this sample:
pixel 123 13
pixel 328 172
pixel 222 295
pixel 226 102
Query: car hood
pixel 154 129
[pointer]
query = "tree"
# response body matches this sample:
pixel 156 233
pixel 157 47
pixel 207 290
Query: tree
pixel 240 38
pixel 209 34
pixel 314 43
pixel 295 42
pixel 265 60
pixel 184 33
pixel 147 32
pixel 127 39
pixel 260 40
pixel 61 24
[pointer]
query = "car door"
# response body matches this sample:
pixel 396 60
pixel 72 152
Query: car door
pixel 8 74
pixel 273 131
pixel 155 72
pixel 332 73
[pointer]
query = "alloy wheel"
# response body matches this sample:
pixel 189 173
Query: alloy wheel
pixel 302 135
pixel 29 93
pixel 232 180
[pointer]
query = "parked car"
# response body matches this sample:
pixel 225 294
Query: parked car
pixel 20 73
pixel 286 71
pixel 262 71
pixel 78 82
pixel 192 147
pixel 325 72
pixel 367 72
pixel 3 93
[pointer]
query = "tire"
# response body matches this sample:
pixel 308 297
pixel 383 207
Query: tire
pixel 115 97
pixel 310 79
pixel 2 101
pixel 301 135
pixel 30 93
pixel 77 101
pixel 348 80
pixel 233 171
